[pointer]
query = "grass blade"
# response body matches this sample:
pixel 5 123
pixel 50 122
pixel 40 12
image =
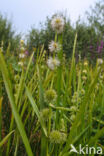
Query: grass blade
pixel 36 110
pixel 8 87
pixel 5 139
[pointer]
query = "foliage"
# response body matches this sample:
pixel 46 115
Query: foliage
pixel 75 116
pixel 7 35
pixel 90 43
pixel 50 102
pixel 96 16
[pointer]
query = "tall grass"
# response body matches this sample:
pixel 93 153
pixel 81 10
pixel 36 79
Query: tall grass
pixel 51 109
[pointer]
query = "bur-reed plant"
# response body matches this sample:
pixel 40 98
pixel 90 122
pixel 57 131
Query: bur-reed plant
pixel 51 108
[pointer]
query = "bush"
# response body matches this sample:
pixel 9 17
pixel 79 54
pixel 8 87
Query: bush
pixel 7 35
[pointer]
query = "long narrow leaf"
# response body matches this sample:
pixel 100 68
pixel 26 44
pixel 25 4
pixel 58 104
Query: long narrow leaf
pixel 36 110
pixel 8 85
pixel 5 139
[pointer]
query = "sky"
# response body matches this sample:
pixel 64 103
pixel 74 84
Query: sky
pixel 27 13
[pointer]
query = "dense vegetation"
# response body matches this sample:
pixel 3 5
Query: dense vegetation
pixel 51 95
pixel 7 35
pixel 90 32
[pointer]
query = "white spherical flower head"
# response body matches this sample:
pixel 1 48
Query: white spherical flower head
pixel 53 63
pixel 21 55
pixel 54 46
pixel 100 61
pixel 57 24
pixel 20 64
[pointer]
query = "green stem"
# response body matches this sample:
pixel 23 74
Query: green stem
pixel 0 123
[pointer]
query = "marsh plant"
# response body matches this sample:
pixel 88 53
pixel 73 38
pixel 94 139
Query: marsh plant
pixel 52 102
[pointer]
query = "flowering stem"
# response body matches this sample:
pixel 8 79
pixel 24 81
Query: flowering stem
pixel 56 37
pixel 59 81
pixel 49 123
pixel 55 42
